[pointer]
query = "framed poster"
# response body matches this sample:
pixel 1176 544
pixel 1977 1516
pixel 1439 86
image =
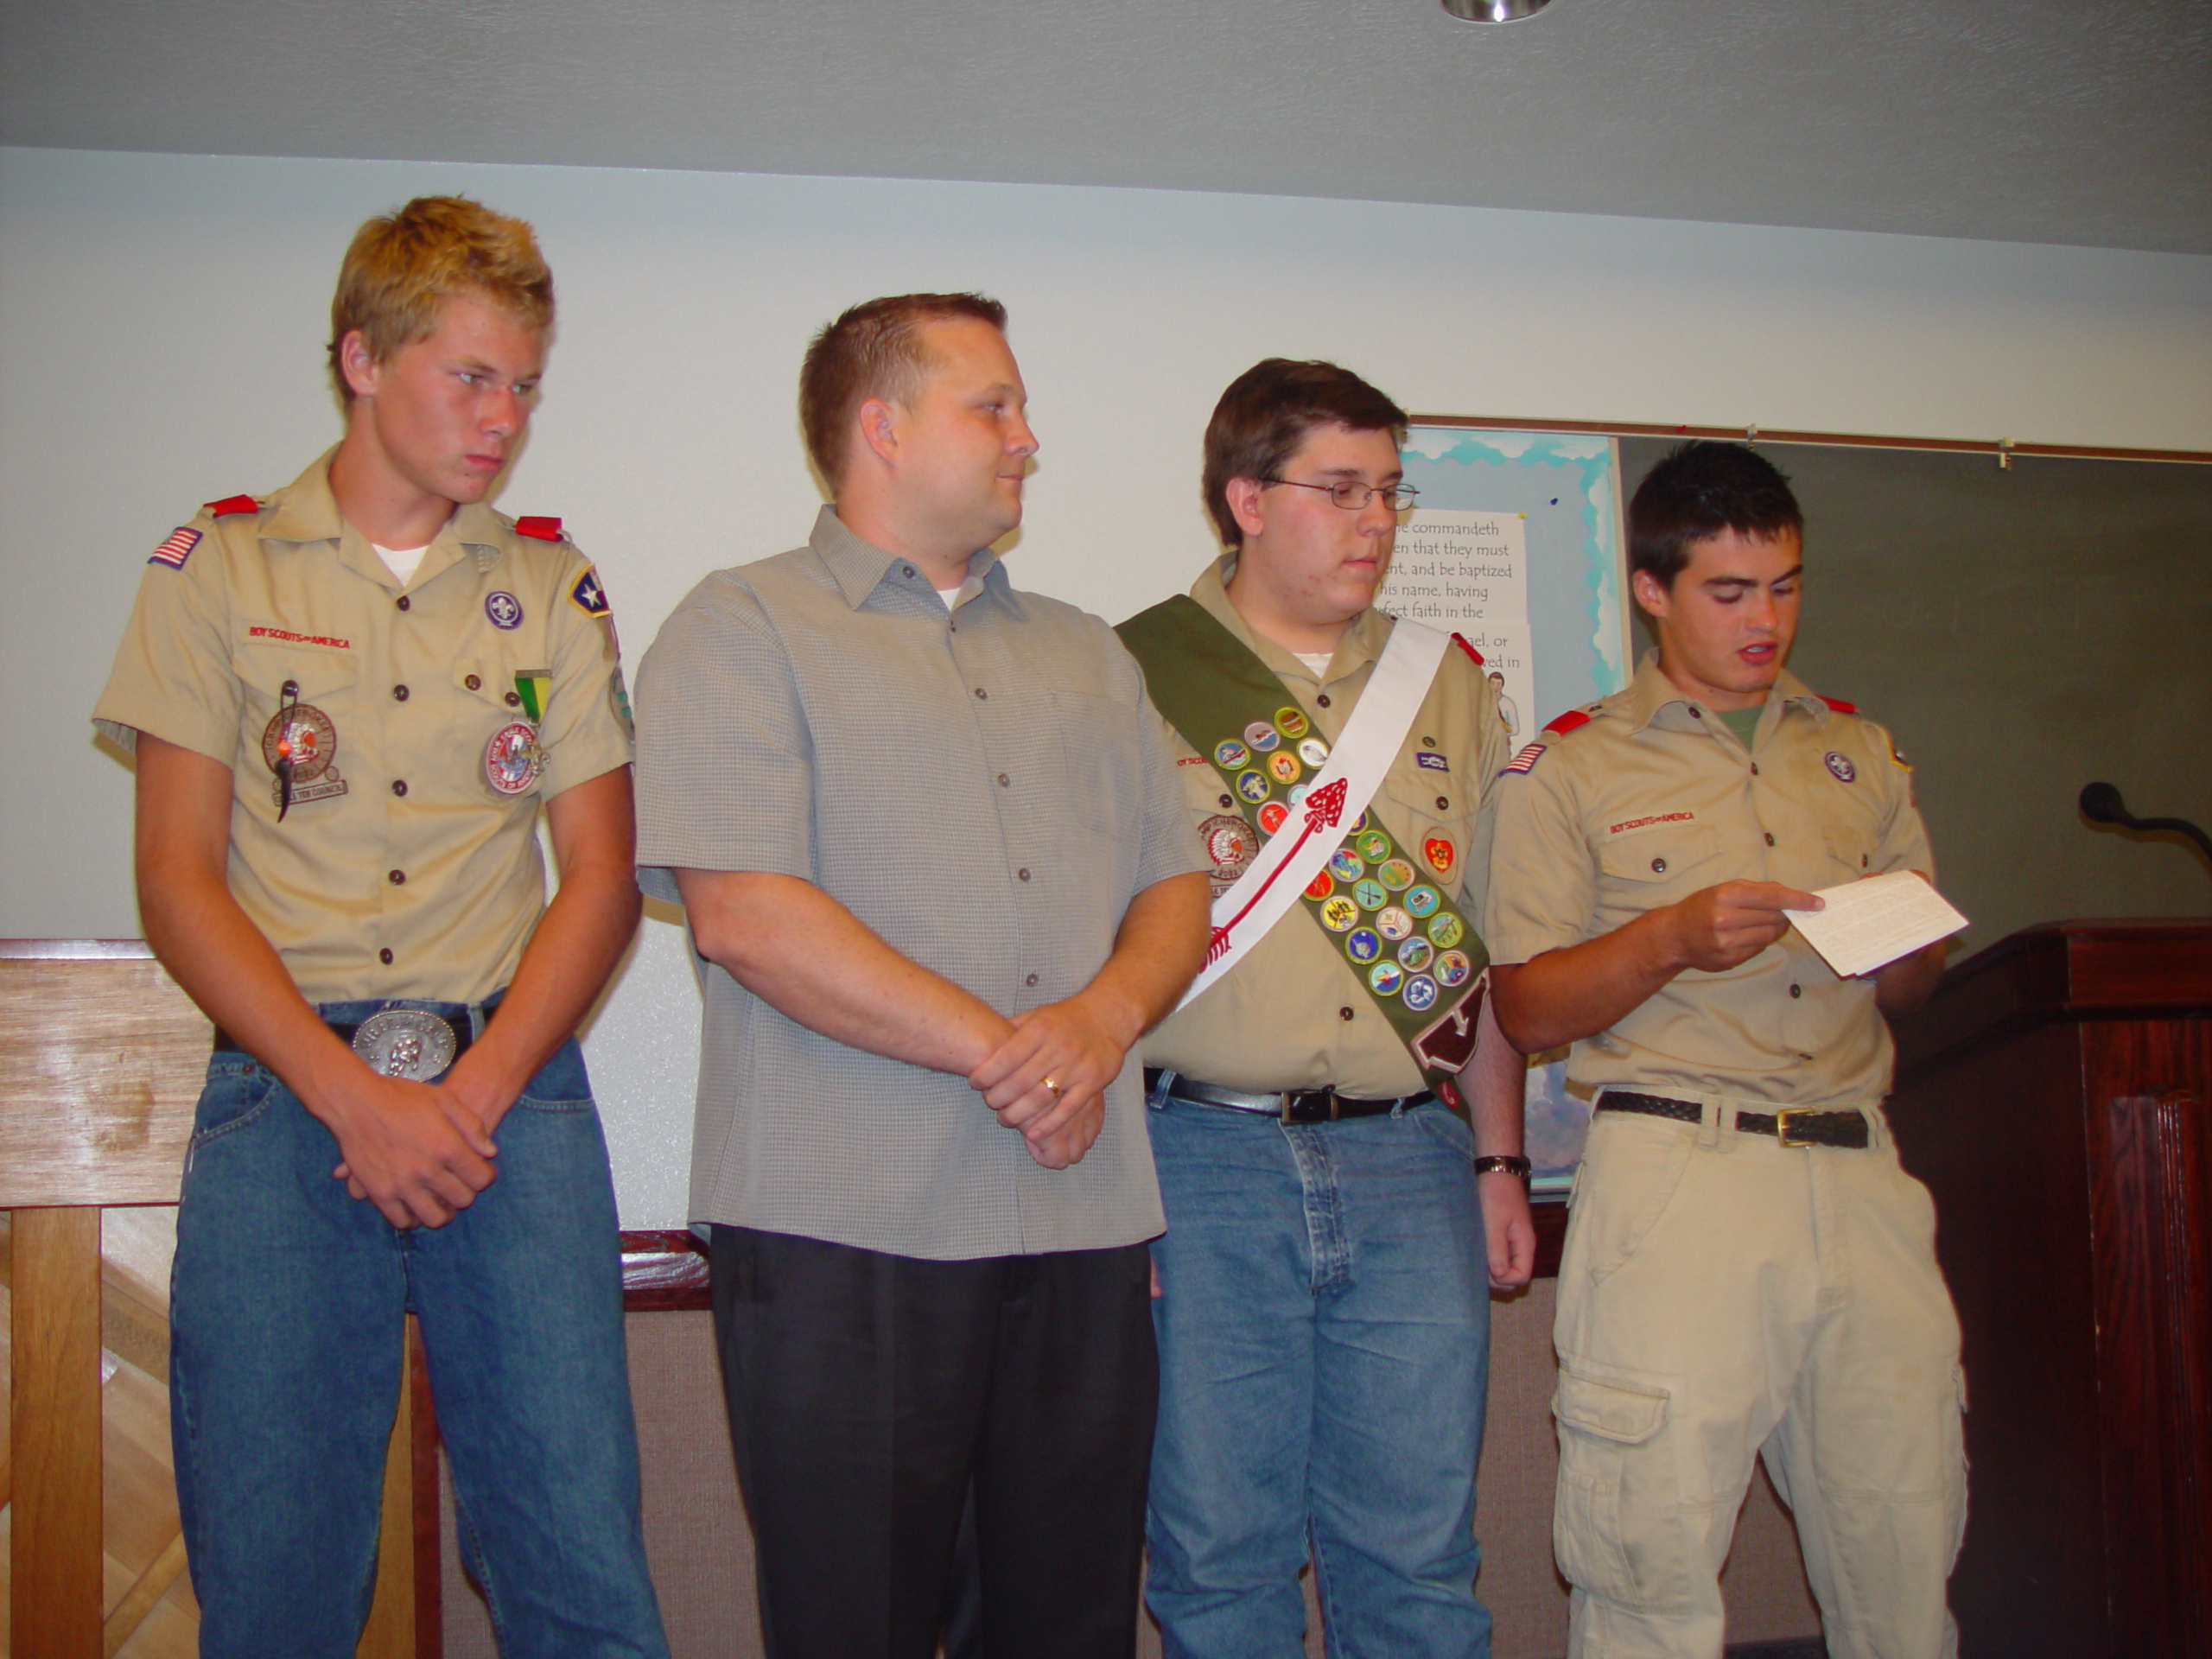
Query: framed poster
pixel 1515 544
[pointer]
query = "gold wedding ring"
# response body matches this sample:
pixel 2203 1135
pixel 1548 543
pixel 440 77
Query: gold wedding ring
pixel 1053 1088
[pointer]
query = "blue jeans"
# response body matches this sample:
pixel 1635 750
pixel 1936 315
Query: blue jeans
pixel 286 1305
pixel 1324 1329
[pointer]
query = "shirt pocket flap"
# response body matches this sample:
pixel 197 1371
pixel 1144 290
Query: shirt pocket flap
pixel 1629 1413
pixel 1851 846
pixel 311 672
pixel 1662 854
pixel 493 686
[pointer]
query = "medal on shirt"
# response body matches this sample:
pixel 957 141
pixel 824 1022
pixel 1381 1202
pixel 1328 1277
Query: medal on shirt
pixel 299 745
pixel 512 759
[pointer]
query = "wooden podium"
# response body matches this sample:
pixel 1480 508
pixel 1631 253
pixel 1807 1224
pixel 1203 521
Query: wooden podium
pixel 2054 1095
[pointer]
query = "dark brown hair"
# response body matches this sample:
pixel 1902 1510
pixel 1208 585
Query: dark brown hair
pixel 1701 489
pixel 1267 412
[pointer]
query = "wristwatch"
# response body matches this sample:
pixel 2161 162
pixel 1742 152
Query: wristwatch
pixel 1513 1165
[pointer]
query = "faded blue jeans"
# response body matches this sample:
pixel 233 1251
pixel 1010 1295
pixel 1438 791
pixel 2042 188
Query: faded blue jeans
pixel 1324 1329
pixel 286 1305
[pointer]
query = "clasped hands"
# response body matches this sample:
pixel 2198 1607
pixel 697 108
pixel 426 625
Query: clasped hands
pixel 1048 1077
pixel 420 1152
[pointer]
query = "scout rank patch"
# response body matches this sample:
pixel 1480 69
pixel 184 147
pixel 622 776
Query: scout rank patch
pixel 300 745
pixel 512 759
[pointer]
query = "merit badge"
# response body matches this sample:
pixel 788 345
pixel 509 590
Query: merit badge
pixel 504 610
pixel 1438 851
pixel 1433 762
pixel 1447 931
pixel 1338 914
pixel 1420 993
pixel 1292 723
pixel 1253 785
pixel 1231 843
pixel 1358 824
pixel 1297 793
pixel 1273 816
pixel 512 759
pixel 1230 755
pixel 1370 894
pixel 1374 846
pixel 1362 944
pixel 1320 887
pixel 1395 874
pixel 1284 767
pixel 1453 968
pixel 1841 766
pixel 1261 736
pixel 405 1043
pixel 1394 922
pixel 1313 752
pixel 1345 865
pixel 1413 954
pixel 588 595
pixel 1385 977
pixel 299 745
pixel 1423 900
pixel 176 550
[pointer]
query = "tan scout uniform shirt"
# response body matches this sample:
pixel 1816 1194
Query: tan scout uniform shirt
pixel 399 870
pixel 1654 799
pixel 1291 1015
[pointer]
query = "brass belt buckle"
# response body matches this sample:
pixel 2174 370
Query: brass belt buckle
pixel 405 1043
pixel 1781 1129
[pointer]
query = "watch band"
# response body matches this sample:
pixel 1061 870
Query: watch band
pixel 1504 1164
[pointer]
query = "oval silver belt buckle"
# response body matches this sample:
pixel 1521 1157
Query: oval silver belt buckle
pixel 405 1043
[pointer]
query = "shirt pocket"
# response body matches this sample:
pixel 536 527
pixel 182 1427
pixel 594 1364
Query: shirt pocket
pixel 1438 808
pixel 1102 753
pixel 493 731
pixel 1654 867
pixel 314 693
pixel 1850 849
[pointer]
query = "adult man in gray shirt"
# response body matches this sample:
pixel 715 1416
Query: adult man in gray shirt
pixel 934 857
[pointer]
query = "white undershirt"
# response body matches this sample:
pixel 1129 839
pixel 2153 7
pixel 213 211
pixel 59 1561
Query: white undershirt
pixel 955 597
pixel 1316 660
pixel 402 562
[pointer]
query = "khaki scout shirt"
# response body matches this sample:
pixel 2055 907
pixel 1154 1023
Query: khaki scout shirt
pixel 1652 801
pixel 1291 1015
pixel 399 870
pixel 986 791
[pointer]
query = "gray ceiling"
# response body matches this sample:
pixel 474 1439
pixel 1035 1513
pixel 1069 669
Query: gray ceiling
pixel 2032 121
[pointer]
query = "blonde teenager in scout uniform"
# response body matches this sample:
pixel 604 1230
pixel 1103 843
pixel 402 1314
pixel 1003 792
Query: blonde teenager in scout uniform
pixel 1747 1269
pixel 348 700
pixel 1325 1276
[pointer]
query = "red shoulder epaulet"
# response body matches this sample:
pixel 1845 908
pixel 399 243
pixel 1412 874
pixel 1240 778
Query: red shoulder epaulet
pixel 1460 641
pixel 230 503
pixel 542 530
pixel 1838 704
pixel 1566 723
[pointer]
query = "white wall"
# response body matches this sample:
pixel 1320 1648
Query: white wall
pixel 162 318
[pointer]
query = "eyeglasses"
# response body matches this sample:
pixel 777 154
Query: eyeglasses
pixel 1353 496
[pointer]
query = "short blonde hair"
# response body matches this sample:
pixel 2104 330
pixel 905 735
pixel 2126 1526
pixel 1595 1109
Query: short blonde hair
pixel 404 266
pixel 874 350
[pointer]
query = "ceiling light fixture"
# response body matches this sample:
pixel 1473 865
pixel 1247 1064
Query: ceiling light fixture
pixel 1494 11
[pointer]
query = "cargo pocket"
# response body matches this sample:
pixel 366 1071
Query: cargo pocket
pixel 1617 1526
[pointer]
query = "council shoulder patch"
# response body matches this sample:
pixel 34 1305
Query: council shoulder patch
pixel 541 529
pixel 588 595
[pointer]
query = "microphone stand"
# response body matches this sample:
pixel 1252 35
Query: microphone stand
pixel 2100 804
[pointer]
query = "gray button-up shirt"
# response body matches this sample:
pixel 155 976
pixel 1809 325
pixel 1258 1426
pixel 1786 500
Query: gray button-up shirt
pixel 986 789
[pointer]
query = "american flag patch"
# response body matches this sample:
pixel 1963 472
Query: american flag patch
pixel 176 550
pixel 1527 758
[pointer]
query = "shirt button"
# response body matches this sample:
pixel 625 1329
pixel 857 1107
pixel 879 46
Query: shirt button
pixel 1228 805
pixel 1696 713
pixel 473 683
pixel 1004 780
pixel 398 878
pixel 1770 837
pixel 400 694
pixel 384 957
pixel 1428 742
pixel 514 700
pixel 1024 874
pixel 907 568
pixel 1796 990
pixel 1032 980
pixel 400 785
pixel 1658 866
pixel 983 694
pixel 1755 768
pixel 1323 700
pixel 1344 1013
pixel 405 603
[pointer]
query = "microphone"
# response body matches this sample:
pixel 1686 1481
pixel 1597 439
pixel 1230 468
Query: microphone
pixel 2100 804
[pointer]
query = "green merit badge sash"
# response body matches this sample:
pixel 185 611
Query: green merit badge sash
pixel 1288 843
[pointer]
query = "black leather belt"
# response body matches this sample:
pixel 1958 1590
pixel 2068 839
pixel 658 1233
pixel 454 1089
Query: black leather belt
pixel 1794 1126
pixel 1291 1106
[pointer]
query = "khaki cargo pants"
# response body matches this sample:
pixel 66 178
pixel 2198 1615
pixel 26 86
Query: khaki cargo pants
pixel 1722 1296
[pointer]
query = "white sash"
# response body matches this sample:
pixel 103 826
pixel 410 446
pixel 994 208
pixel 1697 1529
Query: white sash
pixel 1270 888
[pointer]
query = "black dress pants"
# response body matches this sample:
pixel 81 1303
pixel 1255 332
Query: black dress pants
pixel 868 1391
